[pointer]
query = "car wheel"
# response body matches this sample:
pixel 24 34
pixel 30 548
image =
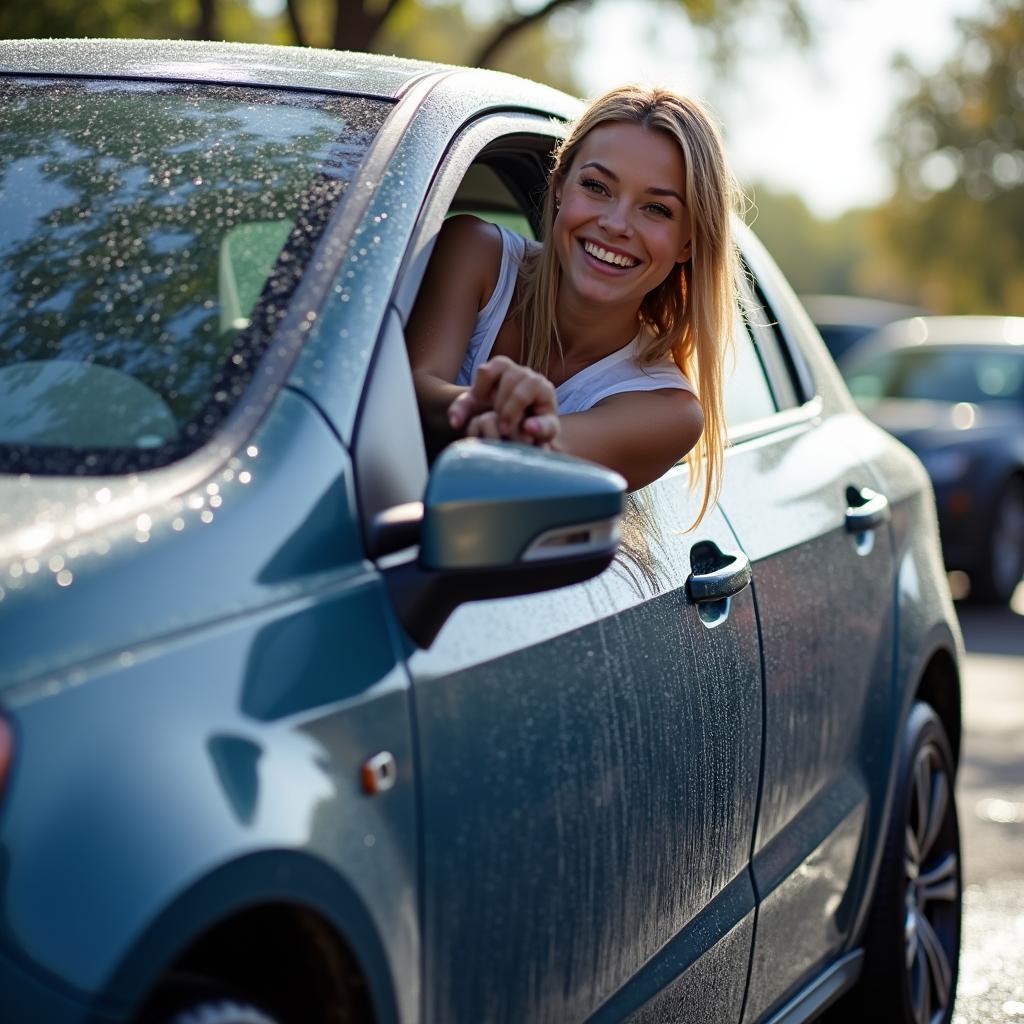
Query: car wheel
pixel 996 579
pixel 912 944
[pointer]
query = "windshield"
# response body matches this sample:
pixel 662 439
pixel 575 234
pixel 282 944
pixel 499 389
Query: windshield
pixel 151 235
pixel 975 375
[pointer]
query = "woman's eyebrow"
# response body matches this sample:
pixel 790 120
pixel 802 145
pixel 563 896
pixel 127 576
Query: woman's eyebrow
pixel 601 167
pixel 666 192
pixel 614 177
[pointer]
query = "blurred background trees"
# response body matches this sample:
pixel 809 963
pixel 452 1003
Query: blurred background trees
pixel 950 239
pixel 952 236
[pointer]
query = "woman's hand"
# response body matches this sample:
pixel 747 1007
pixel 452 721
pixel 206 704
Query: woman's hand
pixel 508 401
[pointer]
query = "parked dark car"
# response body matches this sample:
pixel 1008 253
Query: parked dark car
pixel 952 389
pixel 845 320
pixel 296 729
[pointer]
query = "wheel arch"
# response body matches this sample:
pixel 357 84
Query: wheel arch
pixel 939 686
pixel 242 914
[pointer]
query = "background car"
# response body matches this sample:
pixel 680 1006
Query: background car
pixel 844 320
pixel 295 728
pixel 952 389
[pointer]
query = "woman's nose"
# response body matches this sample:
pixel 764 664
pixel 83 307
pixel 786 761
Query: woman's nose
pixel 615 219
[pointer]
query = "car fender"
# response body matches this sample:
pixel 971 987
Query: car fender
pixel 270 876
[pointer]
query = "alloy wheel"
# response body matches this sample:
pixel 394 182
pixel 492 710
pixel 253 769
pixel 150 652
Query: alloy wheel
pixel 932 872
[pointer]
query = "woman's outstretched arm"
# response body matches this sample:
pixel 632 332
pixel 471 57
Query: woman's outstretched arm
pixel 460 277
pixel 640 434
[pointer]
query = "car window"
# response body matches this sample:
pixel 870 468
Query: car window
pixel 484 194
pixel 152 234
pixel 748 396
pixel 939 374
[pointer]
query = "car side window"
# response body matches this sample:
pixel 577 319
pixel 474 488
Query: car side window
pixel 483 194
pixel 748 395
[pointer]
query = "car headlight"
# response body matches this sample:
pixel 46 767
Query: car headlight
pixel 946 466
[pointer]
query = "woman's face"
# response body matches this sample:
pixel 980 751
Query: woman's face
pixel 622 223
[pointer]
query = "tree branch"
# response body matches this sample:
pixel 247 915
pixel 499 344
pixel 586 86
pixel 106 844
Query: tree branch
pixel 206 25
pixel 513 28
pixel 355 27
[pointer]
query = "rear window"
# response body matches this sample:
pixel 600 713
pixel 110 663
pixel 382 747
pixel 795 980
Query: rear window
pixel 976 375
pixel 151 236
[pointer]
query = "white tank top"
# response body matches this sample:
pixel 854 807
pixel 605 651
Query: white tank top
pixel 620 371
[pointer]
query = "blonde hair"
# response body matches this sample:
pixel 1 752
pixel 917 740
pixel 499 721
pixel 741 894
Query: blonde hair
pixel 691 314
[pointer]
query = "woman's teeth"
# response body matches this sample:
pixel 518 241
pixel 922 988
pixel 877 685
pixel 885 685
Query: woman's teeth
pixel 609 257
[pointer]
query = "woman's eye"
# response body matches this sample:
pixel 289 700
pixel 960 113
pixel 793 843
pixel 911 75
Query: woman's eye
pixel 660 209
pixel 593 185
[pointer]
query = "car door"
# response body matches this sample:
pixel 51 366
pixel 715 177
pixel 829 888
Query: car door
pixel 588 758
pixel 815 532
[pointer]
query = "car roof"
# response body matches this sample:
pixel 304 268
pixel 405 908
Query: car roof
pixel 338 71
pixel 960 331
pixel 238 63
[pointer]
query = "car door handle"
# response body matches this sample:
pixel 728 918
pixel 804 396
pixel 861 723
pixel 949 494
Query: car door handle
pixel 865 509
pixel 718 584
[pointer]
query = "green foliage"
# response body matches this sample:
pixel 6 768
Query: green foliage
pixel 443 32
pixel 124 19
pixel 954 231
pixel 815 255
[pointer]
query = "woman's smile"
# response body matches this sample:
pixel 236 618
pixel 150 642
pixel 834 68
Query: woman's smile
pixel 609 259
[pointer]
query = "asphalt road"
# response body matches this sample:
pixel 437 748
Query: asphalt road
pixel 991 806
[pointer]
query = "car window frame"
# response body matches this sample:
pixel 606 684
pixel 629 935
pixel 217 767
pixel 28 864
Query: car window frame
pixel 785 366
pixel 390 464
pixel 505 139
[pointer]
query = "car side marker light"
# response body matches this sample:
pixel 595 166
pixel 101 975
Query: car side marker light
pixel 379 773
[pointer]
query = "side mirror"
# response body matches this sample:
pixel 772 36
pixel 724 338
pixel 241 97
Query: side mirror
pixel 502 519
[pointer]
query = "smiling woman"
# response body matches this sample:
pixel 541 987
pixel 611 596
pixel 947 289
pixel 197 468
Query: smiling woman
pixel 597 340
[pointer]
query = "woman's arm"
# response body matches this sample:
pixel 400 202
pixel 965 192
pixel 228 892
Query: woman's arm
pixel 460 277
pixel 640 434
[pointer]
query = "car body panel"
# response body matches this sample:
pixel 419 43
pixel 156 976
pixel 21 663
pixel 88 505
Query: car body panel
pixel 687 977
pixel 828 661
pixel 256 687
pixel 925 623
pixel 625 748
pixel 126 533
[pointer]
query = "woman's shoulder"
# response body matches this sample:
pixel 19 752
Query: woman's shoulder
pixel 470 248
pixel 470 235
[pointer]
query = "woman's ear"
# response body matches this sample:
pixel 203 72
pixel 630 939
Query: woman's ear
pixel 557 185
pixel 685 253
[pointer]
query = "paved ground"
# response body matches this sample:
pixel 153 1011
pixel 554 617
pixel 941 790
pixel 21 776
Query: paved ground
pixel 991 804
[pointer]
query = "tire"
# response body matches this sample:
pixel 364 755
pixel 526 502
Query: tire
pixel 912 944
pixel 995 579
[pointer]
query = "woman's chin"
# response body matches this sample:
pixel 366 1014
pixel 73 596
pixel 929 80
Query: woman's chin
pixel 605 291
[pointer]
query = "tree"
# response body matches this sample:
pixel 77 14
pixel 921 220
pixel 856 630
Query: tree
pixel 363 24
pixel 720 17
pixel 815 255
pixel 123 19
pixel 443 32
pixel 953 234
